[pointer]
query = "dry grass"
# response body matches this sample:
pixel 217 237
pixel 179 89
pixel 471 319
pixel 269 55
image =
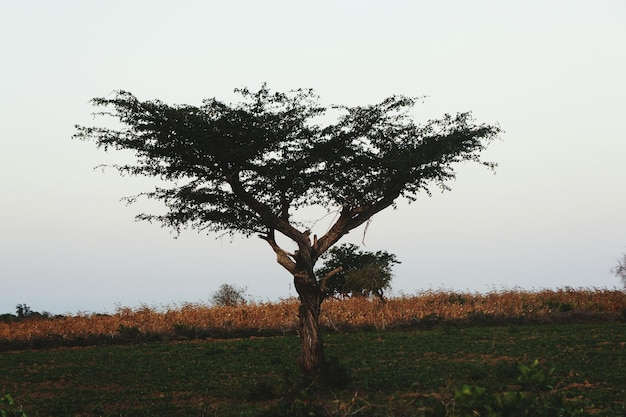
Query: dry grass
pixel 196 320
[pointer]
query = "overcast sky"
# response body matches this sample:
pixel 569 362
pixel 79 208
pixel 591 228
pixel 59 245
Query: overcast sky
pixel 551 73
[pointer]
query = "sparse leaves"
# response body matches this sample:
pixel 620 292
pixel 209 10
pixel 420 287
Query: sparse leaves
pixel 620 269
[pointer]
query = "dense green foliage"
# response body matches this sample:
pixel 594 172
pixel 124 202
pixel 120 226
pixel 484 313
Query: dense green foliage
pixel 363 273
pixel 386 373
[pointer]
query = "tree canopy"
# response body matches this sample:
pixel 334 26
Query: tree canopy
pixel 244 168
pixel 362 273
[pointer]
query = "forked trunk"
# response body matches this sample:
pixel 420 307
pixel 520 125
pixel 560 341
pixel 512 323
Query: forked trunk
pixel 300 264
pixel 312 359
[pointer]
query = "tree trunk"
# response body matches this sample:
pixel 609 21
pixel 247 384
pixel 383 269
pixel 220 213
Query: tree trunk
pixel 312 359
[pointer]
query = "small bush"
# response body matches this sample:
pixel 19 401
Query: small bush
pixel 228 296
pixel 349 272
pixel 9 409
pixel 535 378
pixel 535 396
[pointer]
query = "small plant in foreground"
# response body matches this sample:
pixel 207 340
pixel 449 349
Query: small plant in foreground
pixel 8 407
pixel 534 377
pixel 536 397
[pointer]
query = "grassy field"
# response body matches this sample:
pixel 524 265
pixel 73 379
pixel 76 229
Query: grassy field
pixel 386 373
pixel 412 356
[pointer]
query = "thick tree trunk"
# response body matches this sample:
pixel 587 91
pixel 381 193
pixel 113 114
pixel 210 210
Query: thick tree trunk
pixel 312 359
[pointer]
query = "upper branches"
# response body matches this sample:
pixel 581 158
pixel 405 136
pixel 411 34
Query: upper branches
pixel 244 168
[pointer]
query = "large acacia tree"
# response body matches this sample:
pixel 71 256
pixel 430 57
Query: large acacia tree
pixel 245 168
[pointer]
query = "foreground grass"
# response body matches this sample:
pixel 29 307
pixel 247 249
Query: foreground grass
pixel 392 372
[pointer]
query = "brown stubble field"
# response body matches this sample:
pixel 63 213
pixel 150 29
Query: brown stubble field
pixel 187 321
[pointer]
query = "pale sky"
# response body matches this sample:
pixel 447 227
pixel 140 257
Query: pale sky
pixel 551 73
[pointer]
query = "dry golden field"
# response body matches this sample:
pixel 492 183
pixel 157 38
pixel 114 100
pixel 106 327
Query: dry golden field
pixel 197 320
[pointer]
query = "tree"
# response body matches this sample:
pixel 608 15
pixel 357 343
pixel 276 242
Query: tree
pixel 620 269
pixel 245 168
pixel 362 273
pixel 23 311
pixel 229 295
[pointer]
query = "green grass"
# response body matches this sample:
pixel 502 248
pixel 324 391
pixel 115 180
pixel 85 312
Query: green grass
pixel 393 373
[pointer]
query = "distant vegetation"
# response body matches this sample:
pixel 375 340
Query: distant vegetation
pixel 197 321
pixel 229 295
pixel 23 311
pixel 350 272
pixel 620 269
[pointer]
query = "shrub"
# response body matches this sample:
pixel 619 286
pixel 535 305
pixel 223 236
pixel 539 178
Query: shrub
pixel 8 407
pixel 534 396
pixel 229 295
pixel 361 273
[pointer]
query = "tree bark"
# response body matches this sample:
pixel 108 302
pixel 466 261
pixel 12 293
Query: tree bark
pixel 312 359
pixel 300 264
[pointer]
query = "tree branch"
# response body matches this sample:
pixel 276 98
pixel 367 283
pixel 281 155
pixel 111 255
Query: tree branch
pixel 270 219
pixel 282 257
pixel 328 276
pixel 351 218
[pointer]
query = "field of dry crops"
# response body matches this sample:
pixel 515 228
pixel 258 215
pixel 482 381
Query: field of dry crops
pixel 427 308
